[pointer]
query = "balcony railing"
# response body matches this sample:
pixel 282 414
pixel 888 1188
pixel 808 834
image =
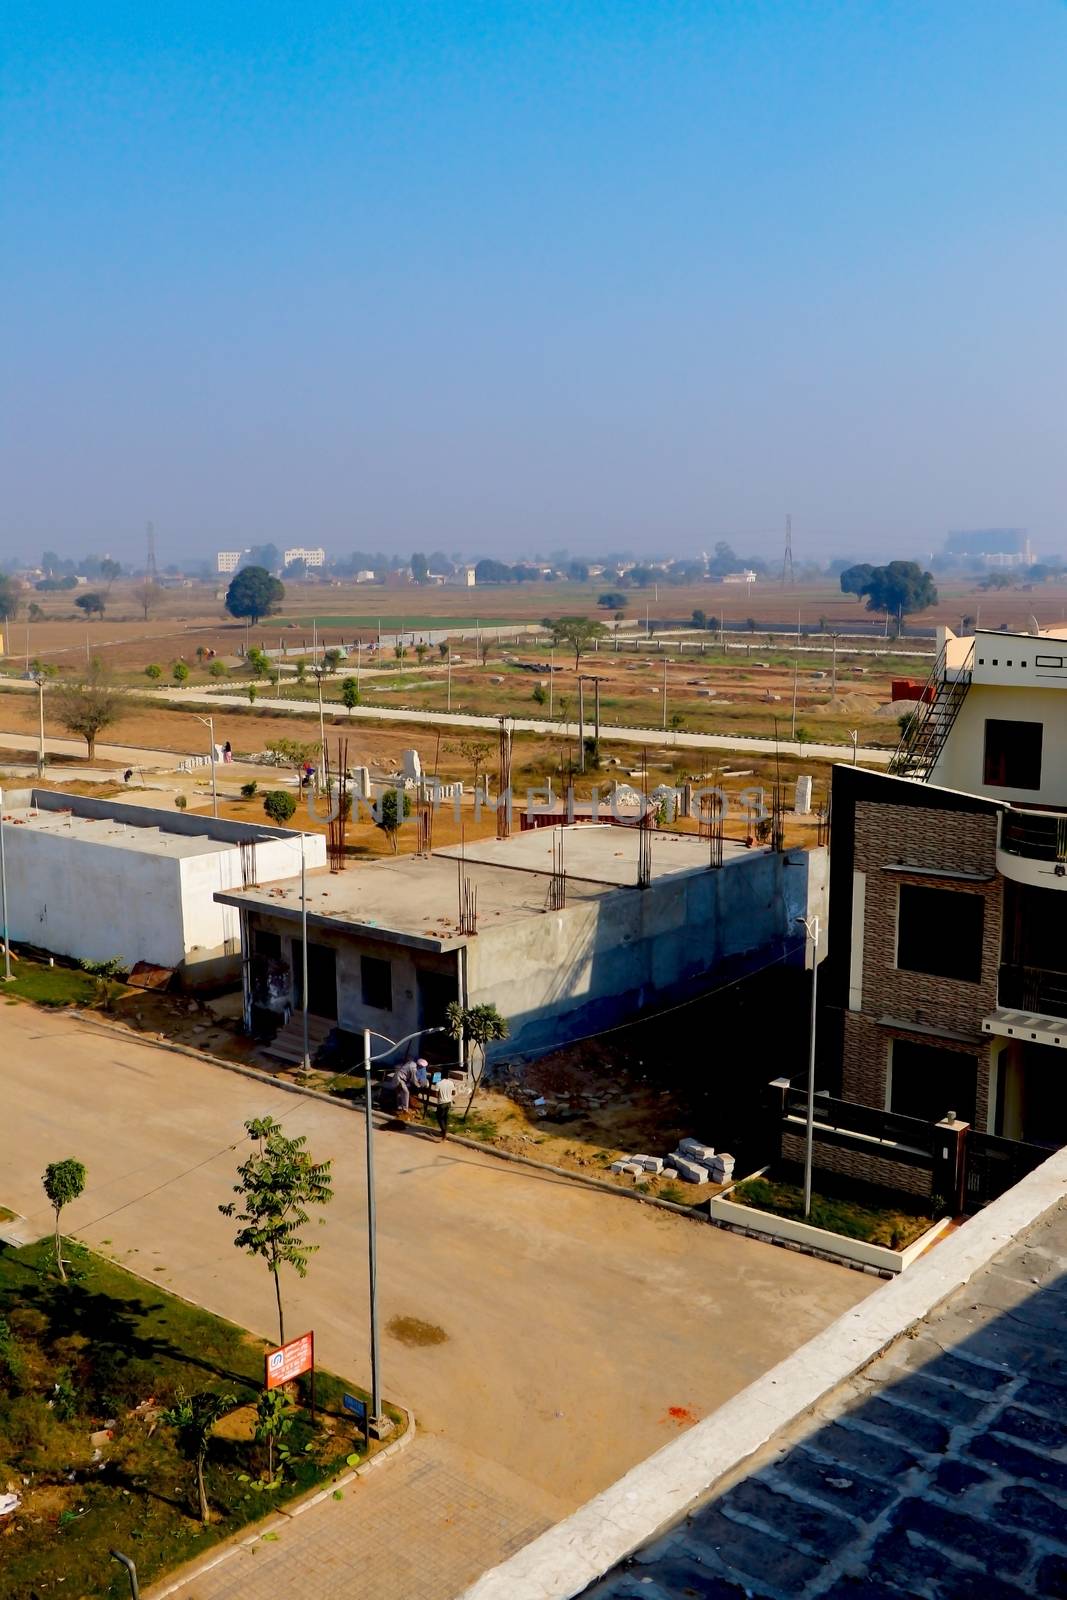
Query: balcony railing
pixel 1037 835
pixel 1036 989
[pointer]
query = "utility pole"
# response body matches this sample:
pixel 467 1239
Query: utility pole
pixel 796 674
pixel 322 724
pixel 811 928
pixel 664 693
pixel 448 660
pixel 787 559
pixel 581 723
pixel 551 680
pixel 596 713
pixel 833 673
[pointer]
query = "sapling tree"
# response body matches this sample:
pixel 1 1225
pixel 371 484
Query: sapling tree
pixel 479 1026
pixel 276 1185
pixel 63 1182
pixel 193 1418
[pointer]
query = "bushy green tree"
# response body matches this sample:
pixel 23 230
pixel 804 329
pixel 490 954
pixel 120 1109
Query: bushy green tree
pixel 350 694
pixel 254 593
pixel 279 805
pixel 180 673
pixel 393 806
pixel 578 633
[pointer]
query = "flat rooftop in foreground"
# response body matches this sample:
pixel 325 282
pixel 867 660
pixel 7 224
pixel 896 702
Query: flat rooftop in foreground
pixel 596 852
pixel 415 898
pixel 115 834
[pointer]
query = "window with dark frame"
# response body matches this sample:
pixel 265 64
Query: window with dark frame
pixel 1012 758
pixel 939 931
pixel 377 981
pixel 266 943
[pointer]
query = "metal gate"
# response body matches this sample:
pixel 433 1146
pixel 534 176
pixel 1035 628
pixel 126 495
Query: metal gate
pixel 994 1164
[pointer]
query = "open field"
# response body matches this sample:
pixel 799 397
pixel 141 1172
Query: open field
pixel 184 617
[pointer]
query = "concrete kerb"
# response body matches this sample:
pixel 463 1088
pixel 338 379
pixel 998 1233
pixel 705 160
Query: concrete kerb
pixel 654 1495
pixel 277 1521
pixel 382 1119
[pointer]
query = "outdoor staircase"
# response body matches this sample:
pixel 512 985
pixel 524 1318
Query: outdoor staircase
pixel 287 1046
pixel 931 722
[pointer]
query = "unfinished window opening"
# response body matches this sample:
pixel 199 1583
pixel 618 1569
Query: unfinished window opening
pixel 939 931
pixel 1012 754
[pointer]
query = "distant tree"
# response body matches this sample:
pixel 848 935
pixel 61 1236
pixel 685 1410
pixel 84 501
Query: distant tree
pixel 92 603
pixel 393 806
pixel 443 649
pixel 724 560
pixel 253 593
pixel 577 572
pixel 331 660
pixel 180 673
pixel 262 555
pixel 900 588
pixel 153 671
pixel 856 579
pixel 420 569
pixel 350 694
pixel 147 595
pixel 9 597
pixel 301 671
pixel 218 669
pixel 201 652
pixel 474 751
pixel 276 1185
pixel 700 619
pixel 279 805
pixel 644 577
pixel 578 633
pixel 296 569
pixel 489 571
pixel 538 695
pixel 478 1026
pixel 88 707
pixel 63 1182
pixel 109 571
pixel 35 612
pixel 399 651
pixel 440 564
pixel 612 600
pixel 996 580
pixel 193 1418
pixel 258 662
pixel 251 691
pixel 295 753
pixel 420 651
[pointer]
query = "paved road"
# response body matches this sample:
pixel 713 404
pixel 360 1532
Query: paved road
pixel 574 1320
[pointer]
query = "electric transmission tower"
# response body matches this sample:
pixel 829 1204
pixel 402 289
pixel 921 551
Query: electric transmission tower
pixel 787 559
pixel 150 566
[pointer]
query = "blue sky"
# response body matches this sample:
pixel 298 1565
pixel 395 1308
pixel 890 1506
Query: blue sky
pixel 509 277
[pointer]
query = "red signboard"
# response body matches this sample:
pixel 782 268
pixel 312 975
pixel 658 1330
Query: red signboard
pixel 288 1361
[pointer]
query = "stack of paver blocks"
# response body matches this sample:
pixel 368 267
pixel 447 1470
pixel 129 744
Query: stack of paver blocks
pixel 697 1163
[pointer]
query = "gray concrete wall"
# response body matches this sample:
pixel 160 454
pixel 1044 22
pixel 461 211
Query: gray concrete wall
pixel 191 826
pixel 588 967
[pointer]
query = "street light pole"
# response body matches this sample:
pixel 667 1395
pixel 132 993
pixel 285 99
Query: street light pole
pixel 811 928
pixel 209 724
pixel 322 726
pixel 306 1063
pixel 377 1424
pixel 3 895
pixel 40 709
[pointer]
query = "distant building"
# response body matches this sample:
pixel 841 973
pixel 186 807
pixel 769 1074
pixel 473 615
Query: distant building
pixel 997 547
pixel 748 576
pixel 365 575
pixel 228 560
pixel 310 558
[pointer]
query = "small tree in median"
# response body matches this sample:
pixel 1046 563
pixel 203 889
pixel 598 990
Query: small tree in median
pixel 106 974
pixel 276 1185
pixel 479 1026
pixel 180 673
pixel 63 1182
pixel 350 694
pixel 193 1418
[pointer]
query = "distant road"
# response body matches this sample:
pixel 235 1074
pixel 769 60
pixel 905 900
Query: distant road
pixel 673 739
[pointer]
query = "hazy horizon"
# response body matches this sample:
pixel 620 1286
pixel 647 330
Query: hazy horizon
pixel 506 277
